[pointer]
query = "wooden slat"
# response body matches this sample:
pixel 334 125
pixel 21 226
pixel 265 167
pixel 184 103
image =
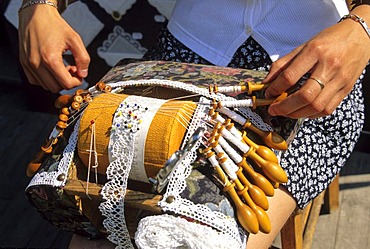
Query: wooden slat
pixel 298 231
pixel 291 233
pixel 312 221
pixel 331 201
pixel 134 199
pixel 306 215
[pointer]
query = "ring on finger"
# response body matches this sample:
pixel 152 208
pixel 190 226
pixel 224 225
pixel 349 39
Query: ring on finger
pixel 322 85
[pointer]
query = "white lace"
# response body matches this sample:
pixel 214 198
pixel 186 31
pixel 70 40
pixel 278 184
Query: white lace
pixel 170 232
pixel 177 183
pixel 122 152
pixel 53 178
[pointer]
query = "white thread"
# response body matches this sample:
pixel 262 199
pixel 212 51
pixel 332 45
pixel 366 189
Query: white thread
pixel 229 89
pixel 242 146
pixel 233 115
pixel 246 112
pixel 237 103
pixel 230 151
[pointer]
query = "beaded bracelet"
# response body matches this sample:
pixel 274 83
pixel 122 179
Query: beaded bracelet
pixel 358 19
pixel 33 2
pixel 61 6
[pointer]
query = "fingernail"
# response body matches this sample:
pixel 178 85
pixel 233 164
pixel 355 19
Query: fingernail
pixel 83 73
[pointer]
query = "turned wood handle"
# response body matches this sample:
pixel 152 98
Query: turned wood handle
pixel 262 217
pixel 270 138
pixel 256 87
pixel 271 169
pixel 246 217
pixel 258 196
pixel 258 179
pixel 35 164
pixel 263 151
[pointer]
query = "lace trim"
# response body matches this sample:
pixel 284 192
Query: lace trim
pixel 122 151
pixel 52 178
pixel 122 154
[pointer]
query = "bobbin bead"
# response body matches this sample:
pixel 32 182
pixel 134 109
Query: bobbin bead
pixel 100 86
pixel 75 105
pixel 107 89
pixel 61 125
pixel 87 98
pixel 63 117
pixel 65 111
pixel 81 92
pixel 78 99
pixel 62 101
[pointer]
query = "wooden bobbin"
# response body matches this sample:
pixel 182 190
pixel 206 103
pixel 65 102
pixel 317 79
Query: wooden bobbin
pixel 270 138
pixel 262 217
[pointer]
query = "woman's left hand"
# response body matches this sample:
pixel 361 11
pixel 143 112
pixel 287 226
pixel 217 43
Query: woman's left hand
pixel 336 56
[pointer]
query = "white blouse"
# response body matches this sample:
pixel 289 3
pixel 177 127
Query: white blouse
pixel 215 29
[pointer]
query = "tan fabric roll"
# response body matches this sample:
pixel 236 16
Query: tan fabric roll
pixel 164 136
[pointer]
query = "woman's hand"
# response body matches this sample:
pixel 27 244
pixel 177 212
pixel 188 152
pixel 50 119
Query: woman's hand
pixel 336 57
pixel 43 38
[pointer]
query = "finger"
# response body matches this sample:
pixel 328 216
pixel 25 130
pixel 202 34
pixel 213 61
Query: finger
pixel 81 56
pixel 334 96
pixel 278 66
pixel 296 104
pixel 66 79
pixel 313 111
pixel 302 63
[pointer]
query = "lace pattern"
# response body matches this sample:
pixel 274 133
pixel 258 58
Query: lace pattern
pixel 52 178
pixel 124 133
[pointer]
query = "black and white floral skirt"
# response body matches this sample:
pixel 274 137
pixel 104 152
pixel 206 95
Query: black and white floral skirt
pixel 321 146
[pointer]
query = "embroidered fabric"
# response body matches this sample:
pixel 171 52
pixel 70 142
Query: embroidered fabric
pixel 51 178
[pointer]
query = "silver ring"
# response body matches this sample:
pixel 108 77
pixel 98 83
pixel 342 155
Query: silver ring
pixel 318 82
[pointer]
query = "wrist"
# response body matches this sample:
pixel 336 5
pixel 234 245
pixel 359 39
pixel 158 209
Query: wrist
pixel 361 17
pixel 356 3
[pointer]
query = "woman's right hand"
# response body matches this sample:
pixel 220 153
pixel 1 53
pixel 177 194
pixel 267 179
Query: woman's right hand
pixel 43 38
